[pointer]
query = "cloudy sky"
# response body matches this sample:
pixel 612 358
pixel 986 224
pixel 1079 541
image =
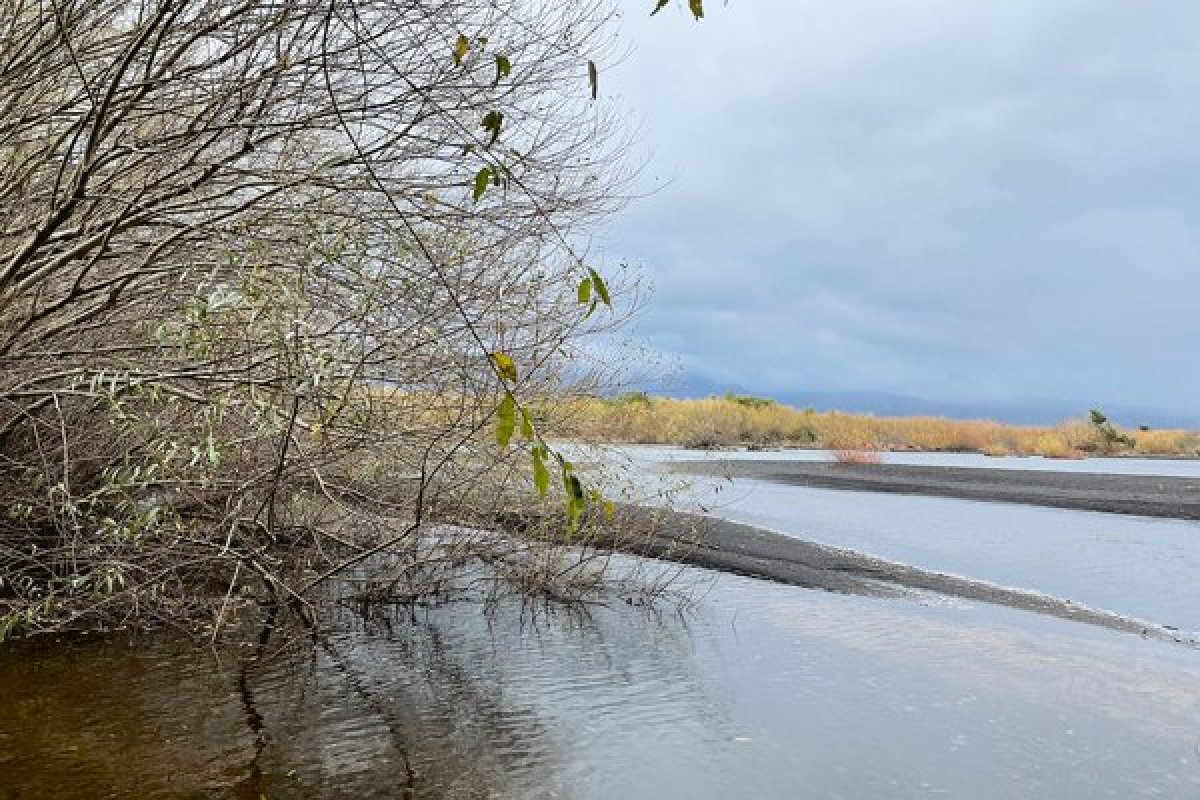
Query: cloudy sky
pixel 963 200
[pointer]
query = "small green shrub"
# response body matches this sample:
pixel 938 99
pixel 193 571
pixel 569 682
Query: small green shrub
pixel 749 401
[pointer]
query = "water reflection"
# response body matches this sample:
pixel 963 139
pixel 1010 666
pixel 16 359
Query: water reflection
pixel 761 691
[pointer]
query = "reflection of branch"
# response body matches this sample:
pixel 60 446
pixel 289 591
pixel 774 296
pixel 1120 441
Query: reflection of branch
pixel 373 703
pixel 254 719
pixel 256 780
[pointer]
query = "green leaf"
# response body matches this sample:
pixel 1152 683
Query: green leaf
pixel 601 287
pixel 526 425
pixel 500 175
pixel 576 500
pixel 573 486
pixel 593 78
pixel 461 47
pixel 541 475
pixel 697 7
pixel 481 182
pixel 493 121
pixel 506 420
pixel 585 291
pixel 503 69
pixel 505 367
pixel 659 7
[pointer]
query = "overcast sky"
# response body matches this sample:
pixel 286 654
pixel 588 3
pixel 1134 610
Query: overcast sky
pixel 961 200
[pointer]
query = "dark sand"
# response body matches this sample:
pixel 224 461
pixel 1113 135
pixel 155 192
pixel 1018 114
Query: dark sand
pixel 743 549
pixel 1178 498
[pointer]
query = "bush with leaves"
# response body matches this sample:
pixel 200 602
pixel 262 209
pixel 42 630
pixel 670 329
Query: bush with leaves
pixel 279 283
pixel 1108 438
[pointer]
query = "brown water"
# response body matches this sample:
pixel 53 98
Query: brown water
pixel 759 691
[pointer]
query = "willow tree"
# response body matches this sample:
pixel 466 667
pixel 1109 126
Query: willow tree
pixel 275 276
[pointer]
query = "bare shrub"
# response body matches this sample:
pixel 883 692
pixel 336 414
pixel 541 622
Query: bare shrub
pixel 857 457
pixel 270 275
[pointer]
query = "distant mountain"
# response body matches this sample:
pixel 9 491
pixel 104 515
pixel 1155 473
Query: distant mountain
pixel 1027 411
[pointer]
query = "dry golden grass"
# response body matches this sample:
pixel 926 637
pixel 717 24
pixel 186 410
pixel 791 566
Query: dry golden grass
pixel 732 421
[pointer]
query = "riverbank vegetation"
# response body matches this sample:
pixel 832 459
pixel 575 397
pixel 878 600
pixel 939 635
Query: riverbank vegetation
pixel 278 285
pixel 734 420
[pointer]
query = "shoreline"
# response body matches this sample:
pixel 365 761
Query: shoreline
pixel 767 450
pixel 726 546
pixel 1141 495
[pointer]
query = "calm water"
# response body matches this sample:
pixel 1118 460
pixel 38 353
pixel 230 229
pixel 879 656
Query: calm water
pixel 756 690
pixel 759 691
pixel 1185 468
pixel 1138 566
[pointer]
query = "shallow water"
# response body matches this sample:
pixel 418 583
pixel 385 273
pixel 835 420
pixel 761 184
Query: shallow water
pixel 1184 468
pixel 759 691
pixel 756 690
pixel 1137 566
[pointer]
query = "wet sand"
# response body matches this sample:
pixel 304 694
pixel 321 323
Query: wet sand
pixel 719 544
pixel 1153 496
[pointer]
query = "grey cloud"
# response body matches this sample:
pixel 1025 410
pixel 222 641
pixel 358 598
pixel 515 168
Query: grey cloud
pixel 963 200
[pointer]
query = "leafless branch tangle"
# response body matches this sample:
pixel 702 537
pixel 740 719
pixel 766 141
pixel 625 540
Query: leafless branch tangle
pixel 248 297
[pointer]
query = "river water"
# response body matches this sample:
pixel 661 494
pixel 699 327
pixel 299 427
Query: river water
pixel 749 689
pixel 1136 566
pixel 756 691
pixel 1179 467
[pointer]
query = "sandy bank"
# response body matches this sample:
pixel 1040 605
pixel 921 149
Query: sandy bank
pixel 1153 496
pixel 719 544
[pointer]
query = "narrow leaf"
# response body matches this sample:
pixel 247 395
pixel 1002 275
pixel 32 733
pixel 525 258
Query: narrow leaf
pixel 461 47
pixel 493 121
pixel 506 420
pixel 697 7
pixel 593 78
pixel 659 7
pixel 574 487
pixel 505 366
pixel 503 68
pixel 541 475
pixel 526 425
pixel 481 182
pixel 585 291
pixel 601 287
